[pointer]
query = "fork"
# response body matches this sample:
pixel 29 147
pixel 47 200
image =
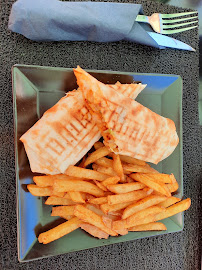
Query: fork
pixel 162 22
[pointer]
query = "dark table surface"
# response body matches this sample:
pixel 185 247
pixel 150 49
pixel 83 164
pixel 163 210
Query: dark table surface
pixel 173 251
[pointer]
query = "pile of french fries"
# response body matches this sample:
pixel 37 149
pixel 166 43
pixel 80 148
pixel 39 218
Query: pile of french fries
pixel 108 195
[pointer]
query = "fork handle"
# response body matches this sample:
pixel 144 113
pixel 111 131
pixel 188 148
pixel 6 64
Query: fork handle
pixel 142 18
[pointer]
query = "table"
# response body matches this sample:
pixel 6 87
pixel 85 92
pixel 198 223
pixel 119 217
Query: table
pixel 175 251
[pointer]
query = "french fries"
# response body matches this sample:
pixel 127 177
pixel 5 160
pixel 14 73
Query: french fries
pixel 105 162
pixel 120 224
pixel 76 196
pixel 124 188
pixel 143 214
pixel 85 173
pixel 99 153
pixel 126 197
pixel 161 178
pixel 89 216
pixel 152 215
pixel 130 168
pixel 100 200
pixel 59 231
pixel 142 204
pixel 62 211
pixel 43 191
pixel 153 226
pixel 117 167
pixel 48 180
pixel 169 201
pixel 174 209
pixel 106 208
pixel 94 231
pixel 116 196
pixel 77 185
pixel 107 171
pixel 132 160
pixel 53 200
pixel 144 179
pixel 111 180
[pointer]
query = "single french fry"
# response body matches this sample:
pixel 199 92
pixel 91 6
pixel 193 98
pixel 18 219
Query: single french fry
pixel 142 204
pixel 160 178
pixel 132 160
pixel 99 153
pixel 76 196
pixel 44 181
pixel 126 197
pixel 120 224
pixel 89 216
pixel 174 209
pixel 59 231
pixel 153 226
pixel 85 173
pixel 98 145
pixel 43 191
pixel 125 188
pixel 48 180
pixel 82 186
pixel 117 166
pixel 100 200
pixel 106 208
pixel 62 211
pixel 130 168
pixel 173 187
pixel 111 180
pixel 94 231
pixel 100 185
pixel 107 171
pixel 169 201
pixel 143 214
pixel 105 162
pixel 53 200
pixel 144 179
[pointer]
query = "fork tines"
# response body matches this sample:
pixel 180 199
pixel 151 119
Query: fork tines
pixel 170 21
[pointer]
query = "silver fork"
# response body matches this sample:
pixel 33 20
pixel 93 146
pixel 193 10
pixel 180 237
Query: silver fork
pixel 162 22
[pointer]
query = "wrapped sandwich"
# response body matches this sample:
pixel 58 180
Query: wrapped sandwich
pixel 66 132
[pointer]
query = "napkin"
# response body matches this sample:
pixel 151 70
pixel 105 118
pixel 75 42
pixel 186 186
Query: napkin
pixel 54 20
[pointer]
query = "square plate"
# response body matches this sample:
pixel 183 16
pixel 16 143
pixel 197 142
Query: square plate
pixel 36 89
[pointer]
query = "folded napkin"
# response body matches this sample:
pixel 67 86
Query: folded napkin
pixel 54 20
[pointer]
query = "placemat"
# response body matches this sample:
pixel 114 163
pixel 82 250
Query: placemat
pixel 173 251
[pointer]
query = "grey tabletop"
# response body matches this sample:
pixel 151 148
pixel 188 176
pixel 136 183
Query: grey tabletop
pixel 173 251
